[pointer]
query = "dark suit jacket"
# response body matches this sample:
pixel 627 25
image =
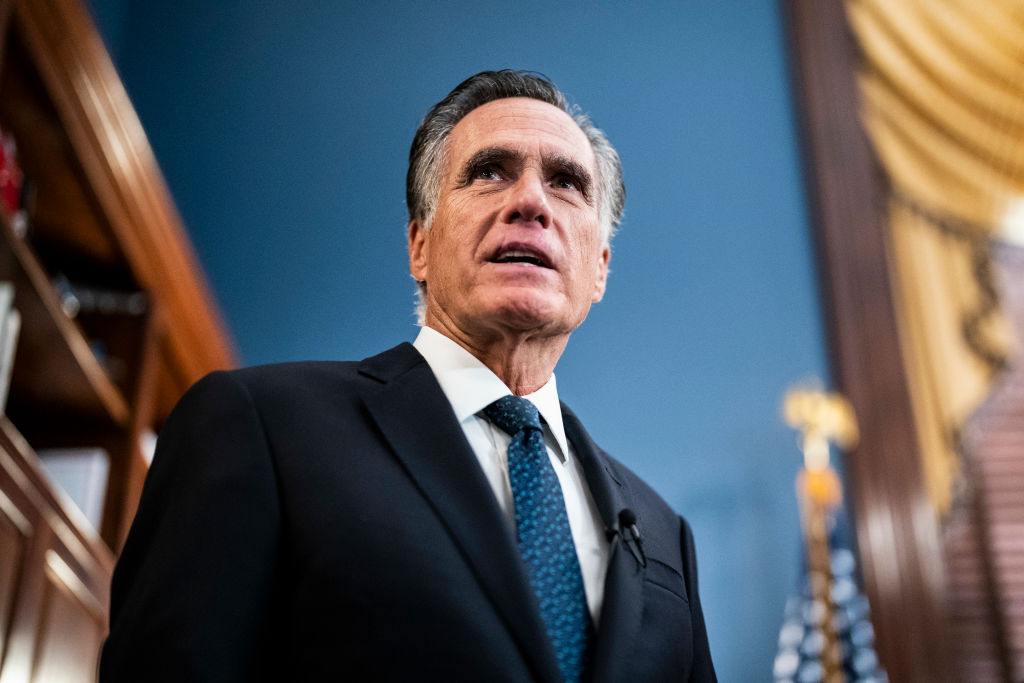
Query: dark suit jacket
pixel 328 522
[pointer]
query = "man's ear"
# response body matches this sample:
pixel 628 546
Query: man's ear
pixel 602 274
pixel 418 238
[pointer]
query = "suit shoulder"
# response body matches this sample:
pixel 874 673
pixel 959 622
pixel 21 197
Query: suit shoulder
pixel 296 373
pixel 301 384
pixel 307 376
pixel 222 393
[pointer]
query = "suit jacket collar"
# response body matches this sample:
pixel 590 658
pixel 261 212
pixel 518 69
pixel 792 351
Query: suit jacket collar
pixel 418 422
pixel 622 609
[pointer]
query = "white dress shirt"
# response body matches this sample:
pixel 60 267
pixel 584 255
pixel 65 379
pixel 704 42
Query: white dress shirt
pixel 470 386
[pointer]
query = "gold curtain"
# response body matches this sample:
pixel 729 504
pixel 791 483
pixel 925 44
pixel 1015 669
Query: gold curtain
pixel 942 98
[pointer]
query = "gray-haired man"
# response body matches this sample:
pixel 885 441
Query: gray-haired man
pixel 433 512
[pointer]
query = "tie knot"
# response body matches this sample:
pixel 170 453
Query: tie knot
pixel 513 414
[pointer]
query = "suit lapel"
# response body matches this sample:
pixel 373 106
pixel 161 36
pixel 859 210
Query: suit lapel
pixel 622 607
pixel 417 421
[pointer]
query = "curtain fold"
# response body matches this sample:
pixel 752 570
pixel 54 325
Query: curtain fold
pixel 942 100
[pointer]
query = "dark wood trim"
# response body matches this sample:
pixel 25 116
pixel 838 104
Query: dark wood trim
pixel 128 466
pixel 897 530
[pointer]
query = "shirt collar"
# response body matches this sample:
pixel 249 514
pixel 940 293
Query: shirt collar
pixel 470 386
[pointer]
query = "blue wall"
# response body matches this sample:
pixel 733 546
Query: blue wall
pixel 283 134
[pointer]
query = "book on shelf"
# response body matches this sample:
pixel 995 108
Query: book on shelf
pixel 6 298
pixel 8 344
pixel 81 474
pixel 10 327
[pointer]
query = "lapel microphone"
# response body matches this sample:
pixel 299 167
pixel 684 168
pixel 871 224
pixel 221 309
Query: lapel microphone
pixel 631 535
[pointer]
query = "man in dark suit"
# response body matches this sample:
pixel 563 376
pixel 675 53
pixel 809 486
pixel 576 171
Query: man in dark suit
pixel 433 512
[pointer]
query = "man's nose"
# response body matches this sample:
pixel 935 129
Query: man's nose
pixel 528 201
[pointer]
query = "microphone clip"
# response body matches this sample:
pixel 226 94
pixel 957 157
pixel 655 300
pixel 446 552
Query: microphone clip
pixel 631 536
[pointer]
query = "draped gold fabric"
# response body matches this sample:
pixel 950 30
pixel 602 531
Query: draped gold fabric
pixel 942 97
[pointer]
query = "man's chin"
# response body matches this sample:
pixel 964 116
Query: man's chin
pixel 532 313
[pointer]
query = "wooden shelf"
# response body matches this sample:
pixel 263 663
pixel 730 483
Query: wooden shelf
pixel 54 367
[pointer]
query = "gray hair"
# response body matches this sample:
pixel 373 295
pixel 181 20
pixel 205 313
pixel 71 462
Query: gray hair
pixel 426 156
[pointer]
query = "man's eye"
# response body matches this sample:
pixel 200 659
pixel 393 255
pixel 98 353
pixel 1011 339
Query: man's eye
pixel 566 183
pixel 487 173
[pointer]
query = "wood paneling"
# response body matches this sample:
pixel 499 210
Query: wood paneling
pixel 70 629
pixel 59 571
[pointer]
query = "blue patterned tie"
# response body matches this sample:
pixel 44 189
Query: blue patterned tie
pixel 542 528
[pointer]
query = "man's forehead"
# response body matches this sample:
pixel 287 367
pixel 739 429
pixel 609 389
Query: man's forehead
pixel 523 124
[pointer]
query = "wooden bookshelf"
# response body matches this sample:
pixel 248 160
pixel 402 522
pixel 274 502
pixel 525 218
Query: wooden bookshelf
pixel 99 219
pixel 56 371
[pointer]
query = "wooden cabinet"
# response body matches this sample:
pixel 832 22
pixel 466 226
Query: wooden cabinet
pixel 100 222
pixel 55 576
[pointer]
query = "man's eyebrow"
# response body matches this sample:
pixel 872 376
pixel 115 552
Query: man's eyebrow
pixel 489 155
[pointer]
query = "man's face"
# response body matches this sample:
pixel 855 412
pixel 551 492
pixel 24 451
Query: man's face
pixel 515 245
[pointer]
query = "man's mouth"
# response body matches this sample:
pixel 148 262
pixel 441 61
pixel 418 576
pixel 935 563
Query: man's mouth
pixel 521 254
